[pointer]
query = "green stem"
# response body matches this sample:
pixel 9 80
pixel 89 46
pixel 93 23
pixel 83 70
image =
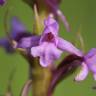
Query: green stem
pixel 41 81
pixel 41 78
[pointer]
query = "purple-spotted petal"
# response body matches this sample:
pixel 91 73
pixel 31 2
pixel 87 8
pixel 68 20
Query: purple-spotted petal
pixel 69 47
pixel 83 73
pixel 16 27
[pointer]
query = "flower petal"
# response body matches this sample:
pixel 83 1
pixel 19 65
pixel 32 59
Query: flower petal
pixel 5 44
pixel 90 60
pixel 43 63
pixel 47 52
pixel 36 51
pixel 39 52
pixel 91 53
pixel 51 25
pixel 67 46
pixel 16 27
pixel 28 42
pixel 83 73
pixel 49 21
pixel 49 55
pixel 52 53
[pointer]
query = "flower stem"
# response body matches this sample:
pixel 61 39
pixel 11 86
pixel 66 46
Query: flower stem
pixel 41 78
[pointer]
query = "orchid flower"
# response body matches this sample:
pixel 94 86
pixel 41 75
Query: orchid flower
pixel 89 64
pixel 16 28
pixel 51 45
pixel 48 46
pixel 19 34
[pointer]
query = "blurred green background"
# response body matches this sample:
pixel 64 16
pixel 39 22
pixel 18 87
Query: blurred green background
pixel 79 13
